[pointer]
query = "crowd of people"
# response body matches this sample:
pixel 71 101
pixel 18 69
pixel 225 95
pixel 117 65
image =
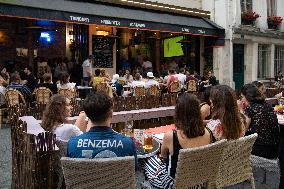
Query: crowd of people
pixel 222 114
pixel 225 116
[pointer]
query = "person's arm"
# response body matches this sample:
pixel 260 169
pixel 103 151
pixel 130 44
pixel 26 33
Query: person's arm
pixel 205 111
pixel 165 148
pixel 81 122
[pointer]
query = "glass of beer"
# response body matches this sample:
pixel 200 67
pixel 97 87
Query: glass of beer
pixel 148 142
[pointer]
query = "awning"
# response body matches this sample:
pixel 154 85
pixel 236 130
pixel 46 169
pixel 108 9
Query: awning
pixel 93 13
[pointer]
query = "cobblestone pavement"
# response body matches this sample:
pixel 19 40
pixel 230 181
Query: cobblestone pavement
pixel 5 158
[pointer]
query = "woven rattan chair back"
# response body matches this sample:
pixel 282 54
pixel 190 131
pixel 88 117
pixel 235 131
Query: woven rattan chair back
pixel 175 86
pixel 139 91
pixel 68 93
pixel 198 165
pixel 102 87
pixel 99 173
pixel 42 95
pixel 154 90
pixel 235 166
pixel 191 86
pixel 14 97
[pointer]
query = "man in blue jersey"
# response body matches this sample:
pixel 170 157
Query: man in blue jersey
pixel 16 84
pixel 100 141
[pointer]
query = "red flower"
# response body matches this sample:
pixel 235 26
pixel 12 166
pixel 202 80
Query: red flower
pixel 250 15
pixel 275 20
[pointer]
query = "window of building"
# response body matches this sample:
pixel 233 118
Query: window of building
pixel 264 66
pixel 271 7
pixel 246 5
pixel 278 59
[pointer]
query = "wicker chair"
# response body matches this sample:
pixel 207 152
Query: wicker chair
pixel 68 93
pixel 198 165
pixel 99 173
pixel 153 90
pixel 235 166
pixel 191 86
pixel 175 87
pixel 14 97
pixel 42 95
pixel 139 91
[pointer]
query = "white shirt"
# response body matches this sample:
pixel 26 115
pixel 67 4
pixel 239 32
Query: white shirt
pixel 151 82
pixel 66 131
pixel 147 64
pixel 181 77
pixel 66 86
pixel 2 96
pixel 137 83
pixel 87 67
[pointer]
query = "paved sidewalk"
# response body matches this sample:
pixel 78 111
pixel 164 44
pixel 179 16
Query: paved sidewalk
pixel 5 158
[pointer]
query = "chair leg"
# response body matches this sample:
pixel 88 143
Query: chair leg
pixel 252 182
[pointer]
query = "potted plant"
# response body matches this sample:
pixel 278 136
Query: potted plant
pixel 274 21
pixel 249 17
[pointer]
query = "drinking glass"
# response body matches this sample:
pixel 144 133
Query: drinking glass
pixel 148 142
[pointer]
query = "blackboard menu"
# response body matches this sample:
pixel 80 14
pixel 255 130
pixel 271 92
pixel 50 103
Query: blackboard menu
pixel 102 51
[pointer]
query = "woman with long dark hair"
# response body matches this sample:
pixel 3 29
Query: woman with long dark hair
pixel 226 122
pixel 262 120
pixel 190 133
pixel 55 119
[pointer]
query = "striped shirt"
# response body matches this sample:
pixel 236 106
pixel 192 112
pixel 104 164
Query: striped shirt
pixel 22 88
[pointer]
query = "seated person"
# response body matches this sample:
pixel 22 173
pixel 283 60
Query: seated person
pixel 150 81
pixel 128 77
pixel 16 84
pixel 260 86
pixel 190 133
pixel 118 87
pixel 47 82
pixel 138 81
pixel 29 78
pixel 105 75
pixel 96 79
pixel 65 82
pixel 54 119
pixel 260 119
pixel 100 141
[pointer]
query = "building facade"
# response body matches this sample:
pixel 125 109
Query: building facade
pixel 253 51
pixel 113 31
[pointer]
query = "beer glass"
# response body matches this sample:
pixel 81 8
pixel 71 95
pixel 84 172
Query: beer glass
pixel 148 142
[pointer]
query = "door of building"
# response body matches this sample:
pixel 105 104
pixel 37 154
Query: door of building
pixel 238 65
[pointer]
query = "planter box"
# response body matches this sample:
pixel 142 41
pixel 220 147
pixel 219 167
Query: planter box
pixel 272 26
pixel 248 22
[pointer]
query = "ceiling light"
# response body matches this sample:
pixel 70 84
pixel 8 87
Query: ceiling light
pixel 154 5
pixel 123 0
pixel 173 8
pixel 136 2
pixel 142 3
pixel 161 6
pixel 197 12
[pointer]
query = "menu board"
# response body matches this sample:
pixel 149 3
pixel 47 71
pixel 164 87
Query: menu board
pixel 102 51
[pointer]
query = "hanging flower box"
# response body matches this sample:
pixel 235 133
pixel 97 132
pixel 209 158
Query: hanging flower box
pixel 274 21
pixel 248 18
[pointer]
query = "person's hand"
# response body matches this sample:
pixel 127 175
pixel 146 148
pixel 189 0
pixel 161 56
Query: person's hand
pixel 82 121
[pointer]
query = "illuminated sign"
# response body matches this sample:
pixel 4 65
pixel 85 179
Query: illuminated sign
pixel 79 19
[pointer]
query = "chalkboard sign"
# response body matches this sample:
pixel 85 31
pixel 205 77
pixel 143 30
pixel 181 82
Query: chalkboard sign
pixel 102 51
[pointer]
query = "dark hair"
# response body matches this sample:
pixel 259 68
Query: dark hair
pixel 15 77
pixel 46 77
pixel 171 71
pixel 28 68
pixel 225 109
pixel 206 95
pixel 97 72
pixel 188 116
pixel 64 78
pixel 137 76
pixel 252 94
pixel 181 70
pixel 53 113
pixel 257 83
pixel 98 106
